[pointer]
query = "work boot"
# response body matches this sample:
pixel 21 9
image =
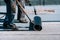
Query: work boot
pixel 11 26
pixel 5 26
pixel 14 28
pixel 23 21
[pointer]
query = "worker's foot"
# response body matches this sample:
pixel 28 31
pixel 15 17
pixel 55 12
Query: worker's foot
pixel 11 26
pixel 5 26
pixel 14 28
pixel 23 21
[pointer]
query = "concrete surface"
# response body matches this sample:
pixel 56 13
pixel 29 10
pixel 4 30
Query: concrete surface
pixel 50 31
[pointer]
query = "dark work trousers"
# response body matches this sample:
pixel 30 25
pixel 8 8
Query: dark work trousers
pixel 9 15
pixel 20 14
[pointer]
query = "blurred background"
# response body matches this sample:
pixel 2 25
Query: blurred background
pixel 39 2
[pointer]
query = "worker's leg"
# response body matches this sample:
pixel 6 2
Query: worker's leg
pixel 21 15
pixel 8 22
